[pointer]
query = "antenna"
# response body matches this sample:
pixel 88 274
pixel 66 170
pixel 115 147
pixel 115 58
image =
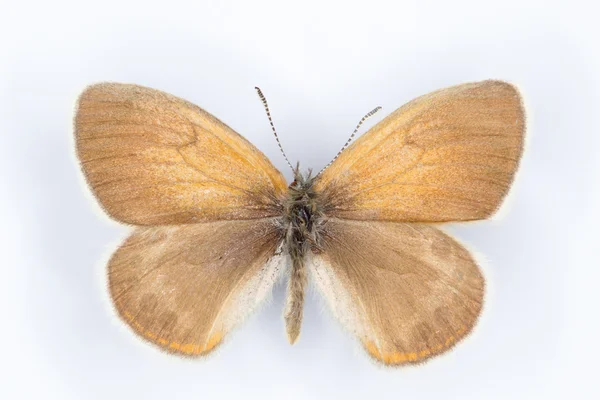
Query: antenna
pixel 367 116
pixel 264 101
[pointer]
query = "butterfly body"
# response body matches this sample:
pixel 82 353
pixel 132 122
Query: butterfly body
pixel 302 232
pixel 215 223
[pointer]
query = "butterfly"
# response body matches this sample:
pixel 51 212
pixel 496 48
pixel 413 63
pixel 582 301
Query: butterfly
pixel 216 224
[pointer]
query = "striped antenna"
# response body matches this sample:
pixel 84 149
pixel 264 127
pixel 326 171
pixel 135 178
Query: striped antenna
pixel 366 117
pixel 264 101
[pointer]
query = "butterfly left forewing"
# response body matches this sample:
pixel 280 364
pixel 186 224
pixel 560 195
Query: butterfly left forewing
pixel 154 159
pixel 407 291
pixel 185 287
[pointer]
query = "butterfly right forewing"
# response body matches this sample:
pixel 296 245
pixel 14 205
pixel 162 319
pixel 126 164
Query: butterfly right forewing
pixel 450 155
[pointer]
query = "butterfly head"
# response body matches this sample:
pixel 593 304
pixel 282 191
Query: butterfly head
pixel 301 182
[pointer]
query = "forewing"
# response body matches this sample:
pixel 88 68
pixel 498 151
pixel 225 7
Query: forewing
pixel 407 291
pixel 184 287
pixel 447 156
pixel 154 159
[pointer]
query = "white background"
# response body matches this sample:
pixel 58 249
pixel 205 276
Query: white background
pixel 322 64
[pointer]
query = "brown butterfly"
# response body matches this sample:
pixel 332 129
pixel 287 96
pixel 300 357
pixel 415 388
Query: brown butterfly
pixel 215 222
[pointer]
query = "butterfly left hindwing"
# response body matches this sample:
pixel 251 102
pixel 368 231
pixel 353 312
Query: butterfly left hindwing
pixel 185 287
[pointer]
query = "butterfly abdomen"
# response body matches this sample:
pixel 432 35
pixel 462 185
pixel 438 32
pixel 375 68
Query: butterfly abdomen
pixel 303 219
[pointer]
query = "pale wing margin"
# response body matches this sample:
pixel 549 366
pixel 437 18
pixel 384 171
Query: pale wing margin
pixel 183 288
pixel 407 291
pixel 450 155
pixel 154 159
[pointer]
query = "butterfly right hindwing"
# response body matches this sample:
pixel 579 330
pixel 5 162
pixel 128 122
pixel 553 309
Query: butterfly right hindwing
pixel 407 291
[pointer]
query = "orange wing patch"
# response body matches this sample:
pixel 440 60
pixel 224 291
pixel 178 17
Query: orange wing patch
pixel 188 349
pixel 414 357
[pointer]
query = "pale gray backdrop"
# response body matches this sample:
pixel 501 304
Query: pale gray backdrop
pixel 322 64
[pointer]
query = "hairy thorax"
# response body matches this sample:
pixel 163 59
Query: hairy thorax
pixel 303 218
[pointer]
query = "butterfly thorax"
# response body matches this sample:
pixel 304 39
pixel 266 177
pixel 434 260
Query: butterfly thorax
pixel 302 223
pixel 303 217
